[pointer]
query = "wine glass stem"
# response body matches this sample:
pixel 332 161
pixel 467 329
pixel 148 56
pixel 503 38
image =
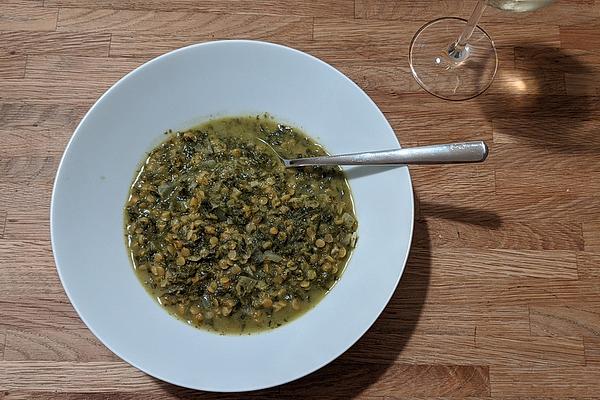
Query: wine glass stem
pixel 458 50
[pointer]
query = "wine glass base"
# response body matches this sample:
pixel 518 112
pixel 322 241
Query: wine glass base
pixel 447 77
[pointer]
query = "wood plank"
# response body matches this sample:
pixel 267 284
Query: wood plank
pixel 578 68
pixel 483 208
pixel 31 272
pixel 506 350
pixel 50 91
pixel 588 265
pixel 579 12
pixel 72 69
pixel 539 58
pixel 490 107
pixel 560 134
pixel 500 292
pixel 458 320
pixel 328 8
pixel 511 81
pixel 407 380
pixel 482 350
pixel 378 32
pixel 583 80
pixel 27 169
pixel 547 171
pixel 27 18
pixel 581 37
pixel 455 179
pixel 55 345
pixel 576 320
pixel 474 263
pixel 12 66
pixel 421 131
pixel 162 391
pixel 3 214
pixel 591 235
pixel 178 23
pixel 29 128
pixel 582 84
pixel 394 78
pixel 501 321
pixel 28 225
pixel 26 3
pixel 2 344
pixel 137 44
pixel 77 43
pixel 69 376
pixel 592 350
pixel 390 9
pixel 48 312
pixel 549 381
pixel 449 231
pixel 524 181
pixel 13 194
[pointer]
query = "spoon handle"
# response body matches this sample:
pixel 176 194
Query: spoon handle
pixel 451 153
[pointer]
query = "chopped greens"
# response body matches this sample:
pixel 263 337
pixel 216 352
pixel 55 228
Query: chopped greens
pixel 228 239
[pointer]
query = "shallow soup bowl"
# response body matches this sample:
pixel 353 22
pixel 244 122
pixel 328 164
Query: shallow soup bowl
pixel 182 89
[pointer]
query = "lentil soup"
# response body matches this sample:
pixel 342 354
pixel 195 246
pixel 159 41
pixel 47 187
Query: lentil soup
pixel 225 237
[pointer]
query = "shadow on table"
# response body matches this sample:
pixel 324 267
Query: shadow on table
pixel 467 215
pixel 367 361
pixel 529 104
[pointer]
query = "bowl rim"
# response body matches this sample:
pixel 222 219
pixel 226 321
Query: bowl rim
pixel 137 70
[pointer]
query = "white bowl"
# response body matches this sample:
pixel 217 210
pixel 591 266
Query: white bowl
pixel 179 90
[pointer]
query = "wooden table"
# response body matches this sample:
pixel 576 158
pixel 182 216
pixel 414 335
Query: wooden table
pixel 501 295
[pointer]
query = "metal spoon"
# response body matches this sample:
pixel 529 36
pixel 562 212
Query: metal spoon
pixel 450 153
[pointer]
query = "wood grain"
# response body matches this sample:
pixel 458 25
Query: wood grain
pixel 458 320
pixel 29 225
pixel 573 321
pixel 12 66
pixel 2 344
pixel 399 379
pixel 192 24
pixel 591 235
pixel 135 44
pixel 71 376
pixel 592 350
pixel 28 272
pixel 2 222
pixel 579 11
pixel 77 43
pixel 506 234
pixel 480 207
pixel 48 311
pixel 37 129
pixel 500 295
pixel 503 292
pixel 26 18
pixel 551 381
pixel 327 8
pixel 588 265
pixel 156 392
pixel 449 349
pixel 448 263
pixel 44 344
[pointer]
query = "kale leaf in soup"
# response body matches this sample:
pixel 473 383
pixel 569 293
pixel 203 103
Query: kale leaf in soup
pixel 228 239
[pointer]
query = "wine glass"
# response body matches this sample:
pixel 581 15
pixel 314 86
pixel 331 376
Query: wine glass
pixel 459 66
